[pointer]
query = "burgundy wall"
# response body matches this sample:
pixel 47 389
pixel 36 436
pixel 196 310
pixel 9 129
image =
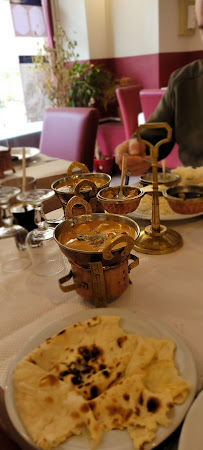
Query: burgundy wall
pixel 168 62
pixel 143 69
pixel 151 71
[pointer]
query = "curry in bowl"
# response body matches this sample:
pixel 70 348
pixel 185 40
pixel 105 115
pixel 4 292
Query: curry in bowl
pixel 109 198
pixel 68 186
pixel 87 185
pixel 83 239
pixel 169 179
pixel 185 199
pixel 94 235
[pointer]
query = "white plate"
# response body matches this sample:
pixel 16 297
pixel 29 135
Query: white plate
pixel 192 431
pixel 29 152
pixel 131 322
pixel 135 215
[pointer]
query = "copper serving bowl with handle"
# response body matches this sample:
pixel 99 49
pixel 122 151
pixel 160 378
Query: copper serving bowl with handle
pixel 85 257
pixel 99 284
pixel 101 274
pixel 109 199
pixel 186 199
pixel 85 183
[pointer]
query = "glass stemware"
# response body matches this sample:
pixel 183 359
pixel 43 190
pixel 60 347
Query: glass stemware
pixel 18 260
pixel 42 248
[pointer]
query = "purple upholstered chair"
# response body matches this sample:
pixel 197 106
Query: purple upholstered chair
pixel 70 134
pixel 130 106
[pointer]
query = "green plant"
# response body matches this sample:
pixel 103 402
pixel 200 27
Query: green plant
pixel 68 82
pixel 51 62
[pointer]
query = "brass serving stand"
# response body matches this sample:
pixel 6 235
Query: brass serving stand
pixel 156 239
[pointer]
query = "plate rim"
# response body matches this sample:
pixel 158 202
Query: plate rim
pixel 198 399
pixel 82 315
pixel 166 217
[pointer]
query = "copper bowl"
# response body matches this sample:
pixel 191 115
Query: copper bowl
pixel 82 257
pixel 170 179
pixel 185 199
pixel 119 205
pixel 71 186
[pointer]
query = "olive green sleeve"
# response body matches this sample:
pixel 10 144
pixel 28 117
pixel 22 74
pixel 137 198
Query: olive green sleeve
pixel 164 113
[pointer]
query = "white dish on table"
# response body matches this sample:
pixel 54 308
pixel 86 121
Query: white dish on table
pixel 131 322
pixel 191 436
pixel 163 217
pixel 16 152
pixel 30 152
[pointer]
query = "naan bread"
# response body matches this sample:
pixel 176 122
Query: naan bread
pixel 50 409
pixel 93 377
pixel 130 405
pixel 92 354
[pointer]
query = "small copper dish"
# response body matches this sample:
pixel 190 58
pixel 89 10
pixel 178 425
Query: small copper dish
pixel 85 184
pixel 122 206
pixel 185 199
pixel 169 179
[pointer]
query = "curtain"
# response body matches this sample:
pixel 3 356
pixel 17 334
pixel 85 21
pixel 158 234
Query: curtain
pixel 48 17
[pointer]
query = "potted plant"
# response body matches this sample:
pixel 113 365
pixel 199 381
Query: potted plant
pixel 68 82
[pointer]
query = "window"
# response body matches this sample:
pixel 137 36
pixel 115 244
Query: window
pixel 14 115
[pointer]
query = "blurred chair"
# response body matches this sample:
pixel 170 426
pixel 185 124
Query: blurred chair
pixel 149 99
pixel 70 134
pixel 130 106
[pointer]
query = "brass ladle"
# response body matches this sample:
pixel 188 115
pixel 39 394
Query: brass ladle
pixel 123 171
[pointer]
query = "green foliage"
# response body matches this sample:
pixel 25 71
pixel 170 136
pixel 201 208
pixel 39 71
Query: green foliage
pixel 51 62
pixel 70 83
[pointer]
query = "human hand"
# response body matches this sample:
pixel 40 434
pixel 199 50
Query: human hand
pixel 136 150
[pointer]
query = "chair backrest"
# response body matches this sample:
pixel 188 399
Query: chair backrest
pixel 70 134
pixel 130 106
pixel 149 99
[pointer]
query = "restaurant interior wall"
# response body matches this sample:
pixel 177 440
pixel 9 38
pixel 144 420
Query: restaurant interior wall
pixel 135 39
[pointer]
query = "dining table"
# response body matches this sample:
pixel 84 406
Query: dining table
pixel 45 169
pixel 166 287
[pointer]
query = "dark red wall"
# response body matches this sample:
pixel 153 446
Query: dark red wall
pixel 151 71
pixel 168 62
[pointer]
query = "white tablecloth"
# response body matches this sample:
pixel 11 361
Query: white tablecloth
pixel 167 287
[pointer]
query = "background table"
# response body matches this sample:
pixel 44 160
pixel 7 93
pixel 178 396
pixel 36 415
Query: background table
pixel 46 170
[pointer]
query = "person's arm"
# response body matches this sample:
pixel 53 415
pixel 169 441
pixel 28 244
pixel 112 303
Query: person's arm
pixel 165 112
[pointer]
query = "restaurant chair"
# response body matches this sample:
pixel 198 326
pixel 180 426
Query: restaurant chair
pixel 149 99
pixel 130 107
pixel 70 134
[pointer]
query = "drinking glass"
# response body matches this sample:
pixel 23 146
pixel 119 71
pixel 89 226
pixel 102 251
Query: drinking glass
pixel 45 255
pixel 17 260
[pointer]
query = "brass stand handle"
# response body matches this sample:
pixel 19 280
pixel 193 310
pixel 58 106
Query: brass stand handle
pixel 98 284
pixel 79 165
pixel 157 125
pixel 66 278
pixel 154 152
pixel 128 240
pixel 76 200
pixel 135 262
